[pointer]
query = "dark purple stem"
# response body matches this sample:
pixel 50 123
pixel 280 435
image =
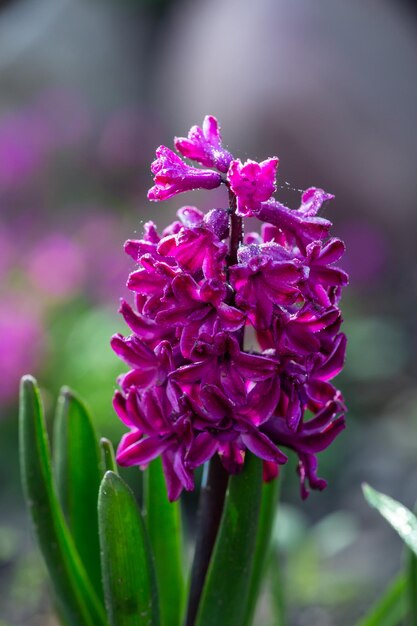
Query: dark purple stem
pixel 236 230
pixel 235 239
pixel 210 511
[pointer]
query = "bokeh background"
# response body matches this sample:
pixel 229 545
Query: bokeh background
pixel 88 89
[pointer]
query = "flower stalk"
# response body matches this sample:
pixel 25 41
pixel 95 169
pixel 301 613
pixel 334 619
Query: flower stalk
pixel 236 229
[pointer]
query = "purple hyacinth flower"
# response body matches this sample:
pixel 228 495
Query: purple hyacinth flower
pixel 172 176
pixel 22 343
pixel 252 183
pixel 204 145
pixel 234 339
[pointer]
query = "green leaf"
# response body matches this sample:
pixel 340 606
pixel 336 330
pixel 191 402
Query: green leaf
pixel 78 472
pixel 397 515
pixel 229 573
pixel 107 455
pixel 163 521
pixel 267 513
pixel 391 609
pixel 128 571
pixel 412 587
pixel 411 565
pixel 76 597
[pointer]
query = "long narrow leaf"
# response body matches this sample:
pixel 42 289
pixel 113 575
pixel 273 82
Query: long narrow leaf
pixel 128 572
pixel 398 516
pixel 229 574
pixel 391 608
pixel 267 513
pixel 163 521
pixel 76 596
pixel 78 471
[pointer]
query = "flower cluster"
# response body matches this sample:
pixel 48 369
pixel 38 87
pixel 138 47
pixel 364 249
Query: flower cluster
pixel 234 337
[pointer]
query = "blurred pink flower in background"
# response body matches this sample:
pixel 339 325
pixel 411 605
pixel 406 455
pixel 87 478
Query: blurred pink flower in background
pixel 24 145
pixel 6 252
pixel 56 266
pixel 22 344
pixel 58 119
pixel 101 238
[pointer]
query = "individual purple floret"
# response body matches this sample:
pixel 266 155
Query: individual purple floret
pixel 203 292
pixel 204 145
pixel 172 176
pixel 252 183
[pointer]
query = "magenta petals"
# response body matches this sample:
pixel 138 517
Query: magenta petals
pixel 233 339
pixel 252 183
pixel 133 451
pixel 173 176
pixel 204 145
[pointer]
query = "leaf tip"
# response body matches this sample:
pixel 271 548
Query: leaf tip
pixel 110 479
pixel 28 392
pixel 28 381
pixel 69 395
pixel 66 392
pixel 368 492
pixel 111 485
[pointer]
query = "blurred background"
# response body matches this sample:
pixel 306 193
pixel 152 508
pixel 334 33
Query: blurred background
pixel 88 89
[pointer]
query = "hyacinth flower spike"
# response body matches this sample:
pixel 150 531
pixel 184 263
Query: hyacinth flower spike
pixel 199 287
